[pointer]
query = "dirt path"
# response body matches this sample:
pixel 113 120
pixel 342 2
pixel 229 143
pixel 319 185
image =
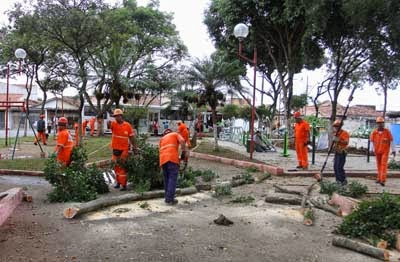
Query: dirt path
pixel 261 232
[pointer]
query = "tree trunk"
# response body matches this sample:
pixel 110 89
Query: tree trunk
pixel 29 91
pixel 75 211
pixel 385 99
pixel 361 248
pixel 100 123
pixel 215 131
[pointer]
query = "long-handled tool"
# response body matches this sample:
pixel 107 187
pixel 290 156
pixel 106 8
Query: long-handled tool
pixel 319 175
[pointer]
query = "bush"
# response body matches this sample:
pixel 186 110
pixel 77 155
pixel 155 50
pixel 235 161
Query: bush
pixel 208 175
pixel 353 189
pixel 394 165
pixel 223 190
pixel 74 183
pixel 374 220
pixel 143 169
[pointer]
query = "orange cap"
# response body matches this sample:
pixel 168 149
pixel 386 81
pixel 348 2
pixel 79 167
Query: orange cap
pixel 337 123
pixel 380 119
pixel 62 121
pixel 297 114
pixel 118 112
pixel 41 116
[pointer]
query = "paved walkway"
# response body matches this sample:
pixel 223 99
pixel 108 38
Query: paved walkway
pixel 353 162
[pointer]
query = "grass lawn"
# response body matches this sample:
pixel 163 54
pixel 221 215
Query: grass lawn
pixel 208 148
pixel 97 148
pixel 11 140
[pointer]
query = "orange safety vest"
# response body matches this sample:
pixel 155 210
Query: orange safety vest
pixel 342 144
pixel 120 135
pixel 169 148
pixel 381 141
pixel 301 131
pixel 64 140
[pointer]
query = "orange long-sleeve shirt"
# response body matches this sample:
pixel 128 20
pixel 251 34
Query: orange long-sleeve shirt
pixel 343 143
pixel 120 135
pixel 302 131
pixel 381 141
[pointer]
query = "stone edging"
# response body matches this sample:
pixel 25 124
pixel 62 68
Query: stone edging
pixel 10 201
pixel 274 170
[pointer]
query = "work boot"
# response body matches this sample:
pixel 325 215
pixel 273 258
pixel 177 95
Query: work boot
pixel 299 167
pixel 171 203
pixel 377 181
pixel 117 185
pixel 344 182
pixel 123 188
pixel 45 144
pixel 35 143
pixel 382 184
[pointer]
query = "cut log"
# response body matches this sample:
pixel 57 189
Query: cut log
pixel 308 217
pixel 283 199
pixel 346 204
pixel 382 244
pixel 398 241
pixel 27 198
pixel 4 194
pixel 361 248
pixel 324 207
pixel 9 202
pixel 306 196
pixel 75 211
pixel 260 177
pixel 280 189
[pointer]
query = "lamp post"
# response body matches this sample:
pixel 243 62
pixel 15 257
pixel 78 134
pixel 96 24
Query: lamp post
pixel 241 31
pixel 19 54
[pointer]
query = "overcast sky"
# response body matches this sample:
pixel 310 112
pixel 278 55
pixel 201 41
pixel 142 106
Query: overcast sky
pixel 188 18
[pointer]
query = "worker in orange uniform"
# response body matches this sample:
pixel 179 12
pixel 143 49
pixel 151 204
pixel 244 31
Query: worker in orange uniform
pixel 91 125
pixel 65 143
pixel 76 127
pixel 184 132
pixel 302 134
pixel 341 142
pixel 382 140
pixel 169 162
pixel 84 125
pixel 41 130
pixel 123 139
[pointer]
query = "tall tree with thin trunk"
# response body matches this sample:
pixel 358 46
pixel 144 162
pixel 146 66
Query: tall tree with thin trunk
pixel 212 76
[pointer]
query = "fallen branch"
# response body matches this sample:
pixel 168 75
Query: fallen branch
pixel 4 194
pixel 325 207
pixel 361 248
pixel 281 199
pixel 308 216
pixel 260 178
pixel 287 191
pixel 72 212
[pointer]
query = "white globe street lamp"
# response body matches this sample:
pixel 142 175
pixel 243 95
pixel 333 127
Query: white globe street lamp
pixel 241 31
pixel 20 53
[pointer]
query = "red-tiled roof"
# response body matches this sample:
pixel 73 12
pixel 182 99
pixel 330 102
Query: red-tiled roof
pixel 11 98
pixel 325 109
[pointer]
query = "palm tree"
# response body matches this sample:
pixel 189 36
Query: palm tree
pixel 213 76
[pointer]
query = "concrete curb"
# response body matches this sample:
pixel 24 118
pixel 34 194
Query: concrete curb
pixel 10 172
pixel 274 170
pixel 349 173
pixel 9 203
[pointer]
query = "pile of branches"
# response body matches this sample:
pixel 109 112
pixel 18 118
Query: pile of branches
pixel 76 182
pixel 374 220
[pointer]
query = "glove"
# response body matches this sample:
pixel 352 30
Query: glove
pixel 335 139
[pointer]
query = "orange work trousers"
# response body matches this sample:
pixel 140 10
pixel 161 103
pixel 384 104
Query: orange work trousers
pixel 381 164
pixel 41 135
pixel 302 154
pixel 120 173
